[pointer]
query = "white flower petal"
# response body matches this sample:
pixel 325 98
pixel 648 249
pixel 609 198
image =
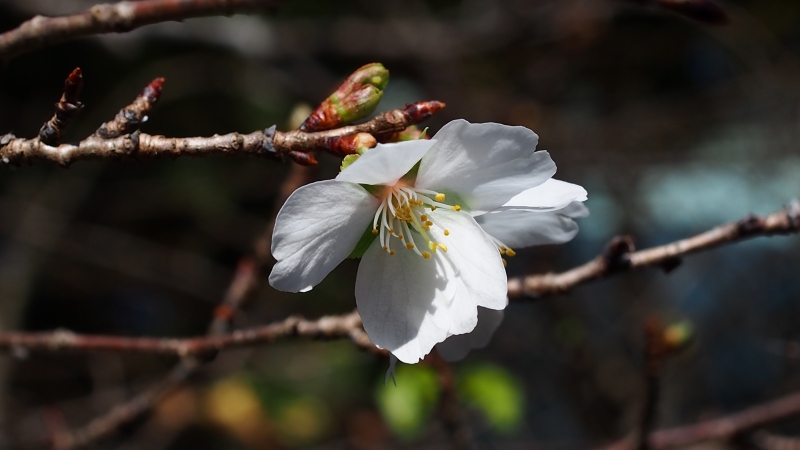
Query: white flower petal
pixel 524 228
pixel 457 347
pixel 549 196
pixel 386 163
pixel 405 302
pixel 474 256
pixel 316 229
pixel 575 210
pixel 486 164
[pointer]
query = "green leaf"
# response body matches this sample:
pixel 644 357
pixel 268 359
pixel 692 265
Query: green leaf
pixel 497 393
pixel 408 407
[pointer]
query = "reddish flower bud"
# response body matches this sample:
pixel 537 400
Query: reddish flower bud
pixel 304 159
pixel 351 144
pixel 356 98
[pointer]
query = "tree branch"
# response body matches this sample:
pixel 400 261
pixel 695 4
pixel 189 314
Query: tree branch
pixel 270 143
pixel 722 428
pixel 347 326
pixel 116 18
pixel 620 257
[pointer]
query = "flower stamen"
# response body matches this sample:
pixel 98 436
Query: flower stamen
pixel 404 213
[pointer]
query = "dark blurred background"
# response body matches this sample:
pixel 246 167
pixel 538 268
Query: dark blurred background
pixel 673 126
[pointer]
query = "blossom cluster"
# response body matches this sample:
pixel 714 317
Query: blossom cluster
pixel 433 221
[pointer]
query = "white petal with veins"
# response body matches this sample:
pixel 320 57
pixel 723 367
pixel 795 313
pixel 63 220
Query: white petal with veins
pixel 523 228
pixel 386 163
pixel 316 229
pixel 549 196
pixel 405 302
pixel 485 164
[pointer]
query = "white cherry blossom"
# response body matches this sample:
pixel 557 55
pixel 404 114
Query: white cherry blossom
pixel 430 265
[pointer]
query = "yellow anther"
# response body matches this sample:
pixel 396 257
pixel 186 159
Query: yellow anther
pixel 429 223
pixel 447 232
pixel 502 251
pixel 391 230
pixel 433 208
pixel 423 218
pixel 400 236
pixel 443 247
pixel 409 246
pixel 391 253
pixel 374 231
pixel 385 248
pixel 426 255
pixel 510 253
pixel 505 263
pixel 439 197
pixel 457 207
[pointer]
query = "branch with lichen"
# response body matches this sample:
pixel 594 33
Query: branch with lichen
pixel 620 255
pixel 121 137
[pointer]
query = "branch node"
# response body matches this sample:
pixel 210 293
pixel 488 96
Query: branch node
pixel 616 253
pixel 750 224
pixel 670 264
pixel 268 144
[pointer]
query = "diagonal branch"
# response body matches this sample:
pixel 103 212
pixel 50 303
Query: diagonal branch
pixel 620 257
pixel 116 18
pixel 721 428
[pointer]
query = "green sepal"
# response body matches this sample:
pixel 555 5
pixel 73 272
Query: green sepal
pixel 349 159
pixel 363 244
pixel 411 176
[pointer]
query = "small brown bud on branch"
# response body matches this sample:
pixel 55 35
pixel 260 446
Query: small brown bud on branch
pixel 129 119
pixel 66 109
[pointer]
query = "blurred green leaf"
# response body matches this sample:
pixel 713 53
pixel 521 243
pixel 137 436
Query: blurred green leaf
pixel 408 406
pixel 497 393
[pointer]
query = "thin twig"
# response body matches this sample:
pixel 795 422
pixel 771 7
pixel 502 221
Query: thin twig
pixel 722 428
pixel 450 409
pixel 654 352
pixel 765 440
pixel 347 326
pixel 620 257
pixel 116 18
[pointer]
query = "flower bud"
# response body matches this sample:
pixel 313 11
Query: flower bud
pixel 350 144
pixel 356 98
